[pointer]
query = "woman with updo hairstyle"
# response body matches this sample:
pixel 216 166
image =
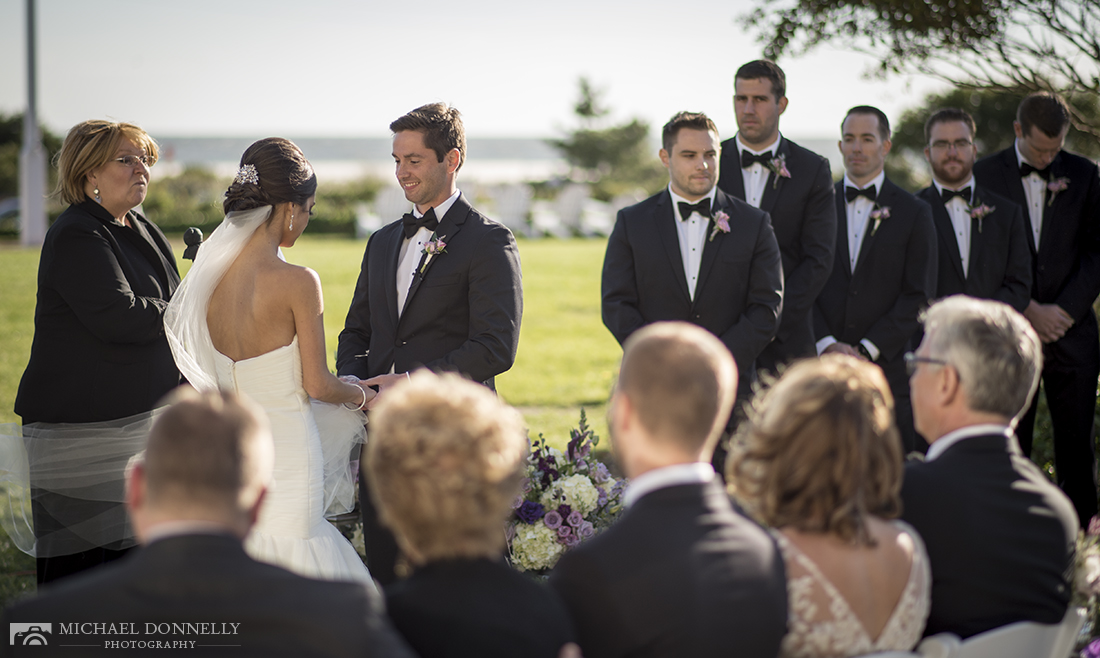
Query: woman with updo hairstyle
pixel 820 464
pixel 99 359
pixel 247 321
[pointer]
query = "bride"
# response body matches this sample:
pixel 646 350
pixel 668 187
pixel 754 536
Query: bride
pixel 245 320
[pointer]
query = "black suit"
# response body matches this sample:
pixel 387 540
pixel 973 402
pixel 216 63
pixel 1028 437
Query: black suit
pixel 1000 263
pixel 1000 536
pixel 894 278
pixel 462 314
pixel 680 574
pixel 478 608
pixel 210 579
pixel 1066 272
pixel 803 215
pixel 739 292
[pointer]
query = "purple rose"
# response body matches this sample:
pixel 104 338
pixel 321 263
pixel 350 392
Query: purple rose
pixel 1092 650
pixel 552 520
pixel 564 531
pixel 600 473
pixel 585 530
pixel 510 532
pixel 570 541
pixel 1094 526
pixel 601 497
pixel 575 519
pixel 530 512
pixel 517 502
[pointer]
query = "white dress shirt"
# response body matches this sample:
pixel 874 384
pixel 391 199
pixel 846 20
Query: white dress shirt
pixel 413 248
pixel 959 212
pixel 1035 191
pixel 692 235
pixel 756 176
pixel 951 438
pixel 668 476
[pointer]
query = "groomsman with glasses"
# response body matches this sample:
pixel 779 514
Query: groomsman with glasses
pixel 884 272
pixel 1060 195
pixel 795 187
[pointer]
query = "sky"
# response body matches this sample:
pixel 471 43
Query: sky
pixel 347 68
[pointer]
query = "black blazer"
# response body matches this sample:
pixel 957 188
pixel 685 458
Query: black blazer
pixel 894 278
pixel 739 293
pixel 1067 264
pixel 462 314
pixel 680 574
pixel 210 579
pixel 803 214
pixel 1000 536
pixel 1000 262
pixel 478 608
pixel 99 350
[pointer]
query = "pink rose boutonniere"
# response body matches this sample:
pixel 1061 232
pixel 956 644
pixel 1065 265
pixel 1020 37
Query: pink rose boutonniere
pixel 878 215
pixel 778 165
pixel 1055 186
pixel 979 212
pixel 432 247
pixel 721 224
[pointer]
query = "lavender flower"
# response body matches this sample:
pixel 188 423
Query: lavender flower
pixel 602 499
pixel 570 541
pixel 564 531
pixel 565 510
pixel 552 520
pixel 1094 526
pixel 530 512
pixel 600 473
pixel 510 532
pixel 517 502
pixel 585 530
pixel 575 519
pixel 1092 650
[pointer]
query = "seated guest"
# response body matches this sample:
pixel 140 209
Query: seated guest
pixel 192 500
pixel 445 461
pixel 681 573
pixel 821 463
pixel 1000 536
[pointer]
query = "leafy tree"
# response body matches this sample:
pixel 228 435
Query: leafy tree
pixel 11 143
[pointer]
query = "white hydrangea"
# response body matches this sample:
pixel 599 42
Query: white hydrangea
pixel 579 493
pixel 549 498
pixel 535 547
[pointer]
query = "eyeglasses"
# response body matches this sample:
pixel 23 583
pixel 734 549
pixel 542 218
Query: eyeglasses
pixel 911 361
pixel 133 160
pixel 958 145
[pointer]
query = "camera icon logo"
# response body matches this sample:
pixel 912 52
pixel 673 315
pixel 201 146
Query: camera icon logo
pixel 30 634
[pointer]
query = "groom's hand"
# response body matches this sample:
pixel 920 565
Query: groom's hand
pixel 382 382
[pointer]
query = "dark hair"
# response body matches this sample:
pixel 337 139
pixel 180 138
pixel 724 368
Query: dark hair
pixel 441 126
pixel 883 122
pixel 693 120
pixel 767 69
pixel 1045 111
pixel 284 173
pixel 946 114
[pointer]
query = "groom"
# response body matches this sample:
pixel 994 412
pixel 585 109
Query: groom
pixel 439 289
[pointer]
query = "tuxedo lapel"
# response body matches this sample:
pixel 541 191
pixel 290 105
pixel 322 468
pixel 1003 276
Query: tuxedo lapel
pixel 448 227
pixel 711 247
pixel 664 219
pixel 736 182
pixel 1010 170
pixel 392 250
pixel 946 229
pixel 774 187
pixel 843 252
pixel 1050 205
pixel 884 199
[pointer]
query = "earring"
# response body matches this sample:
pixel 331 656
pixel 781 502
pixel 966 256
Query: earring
pixel 97 197
pixel 292 222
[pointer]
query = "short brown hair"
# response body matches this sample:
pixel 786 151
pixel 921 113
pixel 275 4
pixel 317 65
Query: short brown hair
pixel 946 115
pixel 820 451
pixel 441 126
pixel 883 122
pixel 1044 110
pixel 92 144
pixel 445 460
pixel 681 120
pixel 767 70
pixel 681 380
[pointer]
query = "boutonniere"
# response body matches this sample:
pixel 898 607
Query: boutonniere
pixel 432 247
pixel 878 215
pixel 721 224
pixel 1055 186
pixel 778 165
pixel 979 212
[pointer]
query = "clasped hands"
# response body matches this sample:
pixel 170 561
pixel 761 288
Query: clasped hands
pixel 382 382
pixel 1050 321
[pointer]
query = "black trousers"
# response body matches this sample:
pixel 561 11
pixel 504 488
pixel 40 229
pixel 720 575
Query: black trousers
pixel 378 540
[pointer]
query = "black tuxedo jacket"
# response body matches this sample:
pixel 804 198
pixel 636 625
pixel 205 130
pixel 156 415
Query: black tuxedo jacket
pixel 1067 264
pixel 462 314
pixel 99 350
pixel 210 579
pixel 478 608
pixel 680 574
pixel 1000 262
pixel 894 278
pixel 1000 536
pixel 739 293
pixel 803 215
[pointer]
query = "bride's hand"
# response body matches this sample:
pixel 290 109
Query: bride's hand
pixel 371 393
pixel 383 382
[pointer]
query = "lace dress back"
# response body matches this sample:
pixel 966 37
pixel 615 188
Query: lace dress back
pixel 822 625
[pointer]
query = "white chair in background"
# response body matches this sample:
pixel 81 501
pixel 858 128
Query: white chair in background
pixel 511 203
pixel 390 204
pixel 570 204
pixel 366 221
pixel 546 221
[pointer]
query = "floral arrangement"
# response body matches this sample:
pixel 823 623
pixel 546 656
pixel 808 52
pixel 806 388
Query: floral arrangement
pixel 778 165
pixel 1086 584
pixel 566 499
pixel 879 214
pixel 1055 186
pixel 980 211
pixel 721 224
pixel 432 247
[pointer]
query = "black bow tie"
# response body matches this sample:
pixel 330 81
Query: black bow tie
pixel 853 193
pixel 703 208
pixel 412 224
pixel 963 194
pixel 1026 169
pixel 747 159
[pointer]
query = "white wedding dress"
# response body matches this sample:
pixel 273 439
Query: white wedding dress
pixel 313 440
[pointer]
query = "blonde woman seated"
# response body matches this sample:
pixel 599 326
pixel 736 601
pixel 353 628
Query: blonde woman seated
pixel 820 463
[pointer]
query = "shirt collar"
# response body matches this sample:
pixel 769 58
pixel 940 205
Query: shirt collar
pixel 667 476
pixel 177 528
pixel 441 209
pixel 940 445
pixel 773 147
pixel 1020 159
pixel 969 183
pixel 876 181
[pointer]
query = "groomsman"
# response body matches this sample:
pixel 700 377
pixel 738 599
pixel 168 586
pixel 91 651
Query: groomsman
pixel 1060 194
pixel 439 288
pixel 795 187
pixel 982 241
pixel 694 253
pixel 884 272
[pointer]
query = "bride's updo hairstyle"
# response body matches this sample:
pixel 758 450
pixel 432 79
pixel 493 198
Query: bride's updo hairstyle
pixel 272 171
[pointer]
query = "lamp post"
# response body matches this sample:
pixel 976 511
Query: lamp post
pixel 32 159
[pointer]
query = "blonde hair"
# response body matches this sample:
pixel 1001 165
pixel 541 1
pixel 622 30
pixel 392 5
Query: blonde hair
pixel 445 460
pixel 821 451
pixel 92 144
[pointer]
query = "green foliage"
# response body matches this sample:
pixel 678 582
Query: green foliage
pixel 11 143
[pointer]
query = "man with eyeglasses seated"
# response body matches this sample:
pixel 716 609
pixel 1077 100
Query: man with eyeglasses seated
pixel 1000 536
